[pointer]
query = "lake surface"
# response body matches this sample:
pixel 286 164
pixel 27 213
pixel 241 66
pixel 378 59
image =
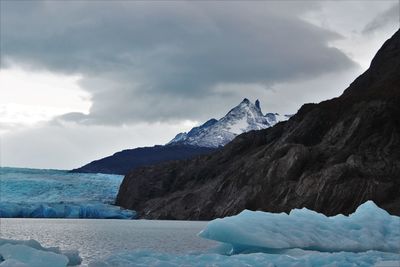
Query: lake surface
pixel 99 238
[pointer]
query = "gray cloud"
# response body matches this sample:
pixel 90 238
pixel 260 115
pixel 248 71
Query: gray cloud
pixel 390 16
pixel 70 146
pixel 162 60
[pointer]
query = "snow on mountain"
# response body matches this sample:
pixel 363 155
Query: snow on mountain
pixel 243 118
pixel 274 118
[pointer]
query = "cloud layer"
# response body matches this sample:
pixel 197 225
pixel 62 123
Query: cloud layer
pixel 163 61
pixel 387 17
pixel 149 70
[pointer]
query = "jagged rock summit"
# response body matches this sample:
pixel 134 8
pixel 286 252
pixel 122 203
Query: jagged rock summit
pixel 215 133
pixel 329 157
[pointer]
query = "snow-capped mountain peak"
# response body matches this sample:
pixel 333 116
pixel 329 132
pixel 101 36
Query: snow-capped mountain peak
pixel 244 117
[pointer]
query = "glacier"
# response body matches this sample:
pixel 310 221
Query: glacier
pixel 34 193
pixel 64 210
pixel 20 253
pixel 368 228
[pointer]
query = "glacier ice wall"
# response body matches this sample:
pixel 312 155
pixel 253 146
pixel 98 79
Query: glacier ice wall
pixel 59 194
pixel 368 228
pixel 64 210
pixel 52 186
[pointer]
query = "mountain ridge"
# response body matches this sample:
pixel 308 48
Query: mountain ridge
pixel 203 140
pixel 329 157
pixel 128 159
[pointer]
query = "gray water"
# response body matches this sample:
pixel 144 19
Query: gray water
pixel 98 238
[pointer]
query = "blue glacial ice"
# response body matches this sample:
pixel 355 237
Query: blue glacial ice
pixel 275 240
pixel 59 194
pixel 21 253
pixel 64 210
pixel 317 259
pixel 368 237
pixel 368 228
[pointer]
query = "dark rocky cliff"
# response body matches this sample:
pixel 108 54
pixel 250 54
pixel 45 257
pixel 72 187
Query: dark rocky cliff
pixel 329 157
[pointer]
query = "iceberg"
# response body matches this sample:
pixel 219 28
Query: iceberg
pixel 368 228
pixel 319 259
pixel 30 253
pixel 19 255
pixel 33 193
pixel 16 253
pixel 302 238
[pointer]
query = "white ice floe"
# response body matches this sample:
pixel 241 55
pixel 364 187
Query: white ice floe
pixel 368 228
pixel 318 259
pixel 367 238
pixel 18 253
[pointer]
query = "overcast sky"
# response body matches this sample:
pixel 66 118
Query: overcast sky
pixel 83 79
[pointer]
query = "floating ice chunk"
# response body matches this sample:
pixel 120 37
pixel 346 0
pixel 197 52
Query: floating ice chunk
pixel 12 263
pixel 368 228
pixel 31 253
pixel 64 210
pixel 32 257
pixel 145 258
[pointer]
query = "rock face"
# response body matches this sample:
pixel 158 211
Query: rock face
pixel 216 133
pixel 329 157
pixel 126 160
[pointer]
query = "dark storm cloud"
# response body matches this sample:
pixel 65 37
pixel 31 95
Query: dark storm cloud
pixel 390 16
pixel 151 61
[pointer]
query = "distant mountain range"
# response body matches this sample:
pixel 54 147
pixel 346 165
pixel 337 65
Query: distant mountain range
pixel 198 141
pixel 329 157
pixel 126 160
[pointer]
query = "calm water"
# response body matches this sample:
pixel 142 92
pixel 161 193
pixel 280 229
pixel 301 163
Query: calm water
pixel 98 238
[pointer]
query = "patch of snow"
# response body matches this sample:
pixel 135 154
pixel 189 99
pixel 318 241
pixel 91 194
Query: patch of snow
pixel 238 126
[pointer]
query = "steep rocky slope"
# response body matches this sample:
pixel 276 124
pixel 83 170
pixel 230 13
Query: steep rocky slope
pixel 329 157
